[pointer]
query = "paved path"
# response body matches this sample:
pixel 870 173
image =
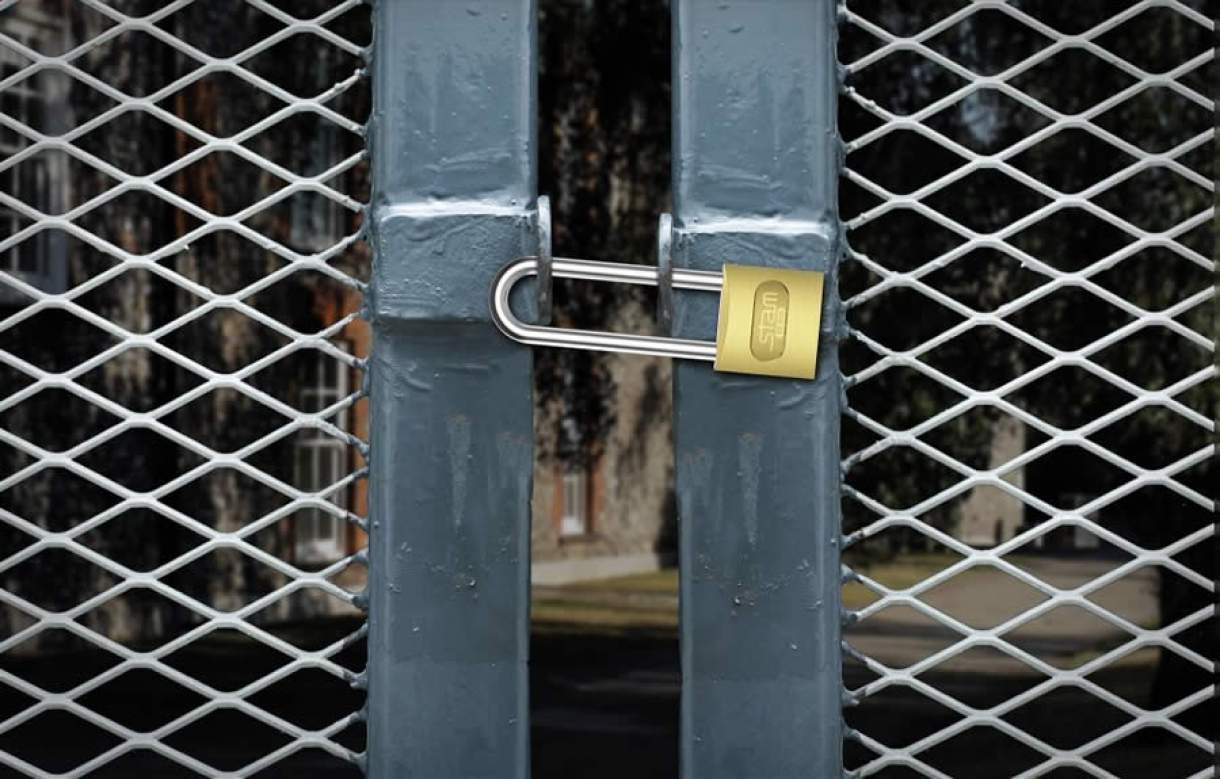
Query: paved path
pixel 985 597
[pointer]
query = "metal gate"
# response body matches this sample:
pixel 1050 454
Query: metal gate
pixel 180 358
pixel 1058 241
pixel 1019 219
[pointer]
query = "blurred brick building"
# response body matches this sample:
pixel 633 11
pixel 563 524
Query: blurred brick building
pixel 594 516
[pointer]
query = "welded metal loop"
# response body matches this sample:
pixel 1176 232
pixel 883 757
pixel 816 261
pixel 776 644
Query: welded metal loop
pixel 597 340
pixel 665 275
pixel 545 294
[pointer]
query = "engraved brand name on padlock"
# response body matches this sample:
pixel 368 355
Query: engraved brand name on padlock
pixel 767 333
pixel 769 320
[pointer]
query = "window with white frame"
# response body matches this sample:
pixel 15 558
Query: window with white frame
pixel 574 521
pixel 321 461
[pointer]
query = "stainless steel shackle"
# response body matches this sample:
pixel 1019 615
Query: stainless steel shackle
pixel 598 340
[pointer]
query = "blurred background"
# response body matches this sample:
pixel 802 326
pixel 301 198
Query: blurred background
pixel 161 337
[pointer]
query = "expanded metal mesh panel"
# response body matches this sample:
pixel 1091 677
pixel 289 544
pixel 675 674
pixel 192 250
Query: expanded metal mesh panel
pixel 181 413
pixel 1029 443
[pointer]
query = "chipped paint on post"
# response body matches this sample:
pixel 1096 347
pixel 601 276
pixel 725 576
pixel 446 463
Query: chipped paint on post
pixel 755 182
pixel 453 155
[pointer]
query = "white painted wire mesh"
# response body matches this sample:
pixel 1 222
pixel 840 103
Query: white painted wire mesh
pixel 1029 442
pixel 181 192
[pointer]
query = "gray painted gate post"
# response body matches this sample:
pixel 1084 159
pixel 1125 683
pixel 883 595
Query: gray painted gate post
pixel 757 459
pixel 453 155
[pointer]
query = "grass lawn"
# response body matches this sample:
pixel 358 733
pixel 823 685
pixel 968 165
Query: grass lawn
pixel 898 574
pixel 664 582
pixel 645 602
pixel 649 600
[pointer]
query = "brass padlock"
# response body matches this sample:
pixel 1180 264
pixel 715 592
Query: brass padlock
pixel 767 326
pixel 768 322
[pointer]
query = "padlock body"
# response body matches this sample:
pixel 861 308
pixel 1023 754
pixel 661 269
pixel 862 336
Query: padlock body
pixel 768 322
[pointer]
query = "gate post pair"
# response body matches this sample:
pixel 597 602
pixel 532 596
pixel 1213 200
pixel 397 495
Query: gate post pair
pixel 757 479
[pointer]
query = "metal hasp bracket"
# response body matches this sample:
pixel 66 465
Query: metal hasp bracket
pixel 757 459
pixel 454 173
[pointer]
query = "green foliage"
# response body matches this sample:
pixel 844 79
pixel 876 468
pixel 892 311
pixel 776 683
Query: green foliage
pixel 604 161
pixel 1067 240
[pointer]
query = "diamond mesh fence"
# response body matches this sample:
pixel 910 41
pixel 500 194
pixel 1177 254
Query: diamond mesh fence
pixel 1029 441
pixel 181 406
pixel 1031 387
